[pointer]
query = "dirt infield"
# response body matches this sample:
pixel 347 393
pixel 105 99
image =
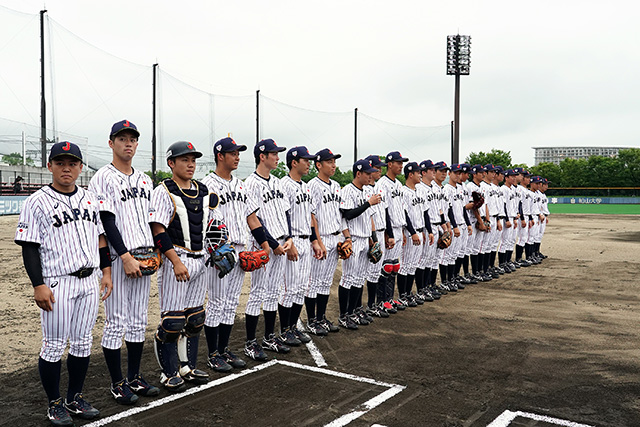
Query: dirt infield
pixel 557 339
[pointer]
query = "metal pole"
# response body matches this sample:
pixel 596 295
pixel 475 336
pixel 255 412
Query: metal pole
pixel 456 123
pixel 257 116
pixel 24 149
pixel 355 137
pixel 452 149
pixel 43 104
pixel 153 125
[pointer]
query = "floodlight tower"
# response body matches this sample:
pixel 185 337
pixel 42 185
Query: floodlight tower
pixel 458 64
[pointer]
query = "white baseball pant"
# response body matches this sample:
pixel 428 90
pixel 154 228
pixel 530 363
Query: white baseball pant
pixel 224 294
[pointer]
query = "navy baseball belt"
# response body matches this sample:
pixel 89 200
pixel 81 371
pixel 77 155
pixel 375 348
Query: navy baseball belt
pixel 420 230
pixel 196 256
pixel 336 233
pixel 83 272
pixel 303 236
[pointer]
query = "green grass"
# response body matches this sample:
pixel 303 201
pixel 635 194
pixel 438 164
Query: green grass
pixel 595 209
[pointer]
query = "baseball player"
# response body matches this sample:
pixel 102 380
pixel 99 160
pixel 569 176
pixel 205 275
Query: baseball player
pixel 224 293
pixel 355 209
pixel 395 219
pixel 325 208
pixel 536 215
pixel 511 220
pixel 491 202
pixel 460 224
pixel 476 217
pixel 496 194
pixel 63 246
pixel 297 270
pixel 181 208
pixel 544 210
pixel 264 193
pixel 466 279
pixel 526 221
pixel 446 282
pixel 433 219
pixel 379 223
pixel 124 195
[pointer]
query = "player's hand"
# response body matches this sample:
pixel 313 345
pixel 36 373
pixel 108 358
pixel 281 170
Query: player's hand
pixel 131 266
pixel 530 223
pixel 106 285
pixel 456 231
pixel 431 239
pixel 404 239
pixel 389 242
pixel 415 239
pixel 181 272
pixel 481 226
pixel 547 219
pixel 507 224
pixel 499 225
pixel 523 224
pixel 317 250
pixel 470 230
pixel 292 252
pixel 44 297
pixel 541 217
pixel 279 250
pixel 374 200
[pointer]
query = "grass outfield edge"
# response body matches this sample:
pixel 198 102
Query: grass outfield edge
pixel 609 209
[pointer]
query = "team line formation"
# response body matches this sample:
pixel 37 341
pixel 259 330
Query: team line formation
pixel 83 246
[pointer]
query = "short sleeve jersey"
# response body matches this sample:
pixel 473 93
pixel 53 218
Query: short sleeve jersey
pixel 267 196
pixel 128 197
pixel 511 199
pixel 392 191
pixel 353 197
pixel 66 226
pixel 415 203
pixel 325 205
pixel 299 198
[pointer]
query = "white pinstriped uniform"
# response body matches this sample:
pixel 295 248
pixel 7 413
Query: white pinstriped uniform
pixel 355 268
pixel 461 200
pixel 525 198
pixel 544 209
pixel 535 213
pixel 468 243
pixel 392 191
pixel 379 223
pixel 414 201
pixel 67 228
pixel 443 204
pixel 490 201
pixel 224 294
pixel 175 295
pixel 297 274
pixel 428 257
pixel 457 203
pixel 496 234
pixel 509 234
pixel 325 205
pixel 128 198
pixel 478 236
pixel 448 256
pixel 266 196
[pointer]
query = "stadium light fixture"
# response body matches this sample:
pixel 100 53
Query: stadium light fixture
pixel 458 64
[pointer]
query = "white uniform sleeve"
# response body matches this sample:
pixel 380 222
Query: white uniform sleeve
pixel 253 197
pixel 163 208
pixel 101 186
pixel 29 223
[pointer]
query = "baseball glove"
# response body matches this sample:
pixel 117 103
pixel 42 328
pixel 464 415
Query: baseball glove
pixel 444 241
pixel 250 261
pixel 478 200
pixel 344 249
pixel 487 225
pixel 149 261
pixel 375 253
pixel 223 259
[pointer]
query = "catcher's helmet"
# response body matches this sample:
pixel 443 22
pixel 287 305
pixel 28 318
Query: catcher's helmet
pixel 181 148
pixel 215 236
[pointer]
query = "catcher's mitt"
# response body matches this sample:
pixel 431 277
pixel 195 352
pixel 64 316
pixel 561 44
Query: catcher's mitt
pixel 444 241
pixel 478 200
pixel 223 259
pixel 250 261
pixel 375 253
pixel 344 249
pixel 150 261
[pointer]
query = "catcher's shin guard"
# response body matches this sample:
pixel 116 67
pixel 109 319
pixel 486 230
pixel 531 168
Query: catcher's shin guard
pixel 165 346
pixel 188 350
pixel 167 357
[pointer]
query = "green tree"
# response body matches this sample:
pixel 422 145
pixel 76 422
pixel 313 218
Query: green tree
pixel 605 172
pixel 575 173
pixel 630 160
pixel 548 170
pixel 495 156
pixel 280 171
pixel 343 178
pixel 160 175
pixel 312 174
pixel 15 159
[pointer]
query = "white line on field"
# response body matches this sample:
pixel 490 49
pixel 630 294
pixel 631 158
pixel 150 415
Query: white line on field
pixel 507 416
pixel 313 349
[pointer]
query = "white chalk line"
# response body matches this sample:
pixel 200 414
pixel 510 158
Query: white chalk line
pixel 507 416
pixel 393 389
pixel 313 349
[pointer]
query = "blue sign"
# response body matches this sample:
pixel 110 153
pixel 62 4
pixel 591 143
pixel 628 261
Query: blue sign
pixel 11 205
pixel 595 200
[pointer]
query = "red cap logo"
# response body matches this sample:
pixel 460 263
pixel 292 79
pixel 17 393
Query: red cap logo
pixel 66 147
pixel 189 146
pixel 126 123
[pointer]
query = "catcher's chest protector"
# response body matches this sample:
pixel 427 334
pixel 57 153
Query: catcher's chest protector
pixel 187 226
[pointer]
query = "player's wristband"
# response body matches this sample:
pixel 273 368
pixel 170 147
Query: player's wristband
pixel 442 220
pixel 259 235
pixel 314 236
pixel 105 257
pixel 163 242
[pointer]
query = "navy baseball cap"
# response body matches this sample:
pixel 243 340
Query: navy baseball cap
pixel 536 179
pixel 395 156
pixel 476 169
pixel 375 161
pixel 363 165
pixel 489 168
pixel 441 166
pixel 457 167
pixel 266 146
pixel 297 153
pixel 121 126
pixel 511 172
pixel 426 164
pixel 518 170
pixel 411 167
pixel 65 148
pixel 227 145
pixel 325 154
pixel 498 169
pixel 526 173
pixel 465 167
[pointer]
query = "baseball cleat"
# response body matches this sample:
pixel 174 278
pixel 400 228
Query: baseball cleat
pixel 194 375
pixel 172 384
pixel 316 329
pixel 389 308
pixel 358 319
pixel 398 305
pixel 471 279
pixel 328 325
pixel 253 350
pixel 302 336
pixel 123 393
pixel 347 322
pixel 406 301
pixel 232 359
pixel 375 311
pixel 58 414
pixel 218 363
pixel 275 343
pixel 81 408
pixel 363 314
pixel 442 289
pixel 289 338
pixel 142 388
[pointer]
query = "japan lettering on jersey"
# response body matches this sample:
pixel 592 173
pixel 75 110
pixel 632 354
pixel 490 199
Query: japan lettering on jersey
pixel 233 206
pixel 431 203
pixel 66 226
pixel 535 202
pixel 511 199
pixel 415 203
pixel 396 207
pixel 525 197
pixel 299 197
pixel 471 188
pixel 544 207
pixel 499 201
pixel 128 197
pixel 457 202
pixel 442 203
pixel 325 205
pixel 267 196
pixel 489 198
pixel 353 197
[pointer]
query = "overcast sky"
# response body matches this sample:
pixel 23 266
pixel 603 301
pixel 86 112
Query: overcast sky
pixel 542 74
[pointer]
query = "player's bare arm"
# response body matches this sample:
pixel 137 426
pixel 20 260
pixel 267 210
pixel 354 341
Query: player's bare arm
pixel 106 285
pixel 318 244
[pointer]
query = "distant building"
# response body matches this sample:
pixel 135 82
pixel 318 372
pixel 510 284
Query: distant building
pixel 557 154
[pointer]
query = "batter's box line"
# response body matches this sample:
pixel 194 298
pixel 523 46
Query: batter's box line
pixel 507 416
pixel 392 390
